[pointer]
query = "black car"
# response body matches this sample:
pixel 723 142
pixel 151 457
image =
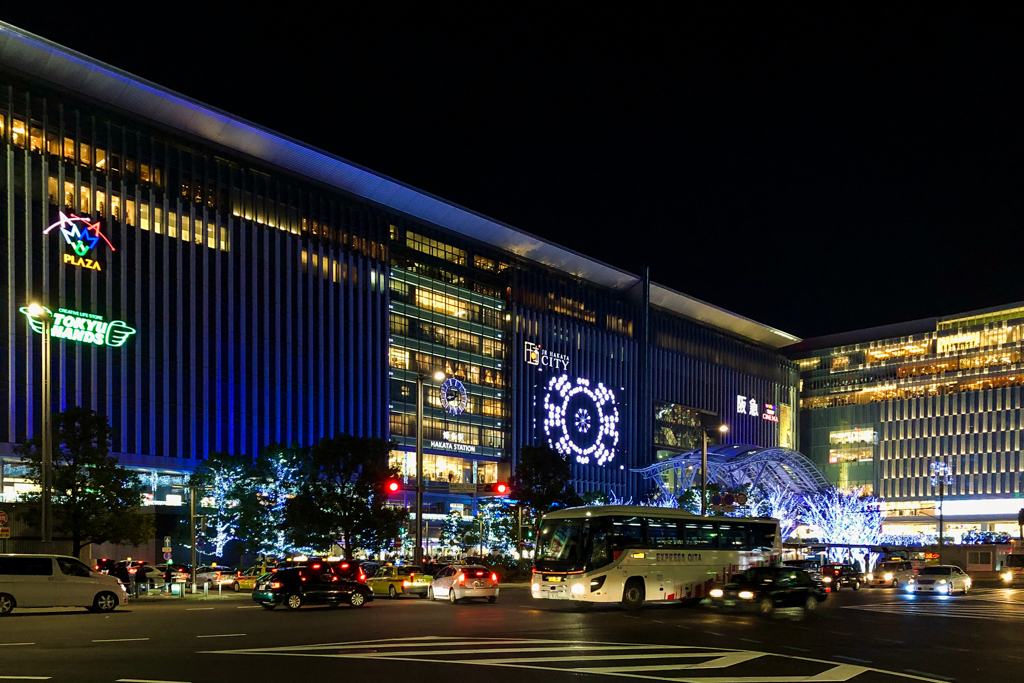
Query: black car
pixel 765 589
pixel 300 586
pixel 838 575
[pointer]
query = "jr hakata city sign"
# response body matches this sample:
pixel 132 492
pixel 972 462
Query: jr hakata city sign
pixel 81 327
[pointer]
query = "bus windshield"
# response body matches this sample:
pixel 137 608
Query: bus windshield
pixel 562 543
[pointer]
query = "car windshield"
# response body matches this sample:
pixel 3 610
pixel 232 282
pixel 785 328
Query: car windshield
pixel 1015 560
pixel 935 571
pixel 757 576
pixel 407 570
pixel 889 567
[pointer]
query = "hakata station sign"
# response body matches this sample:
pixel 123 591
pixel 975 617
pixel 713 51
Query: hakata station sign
pixel 81 327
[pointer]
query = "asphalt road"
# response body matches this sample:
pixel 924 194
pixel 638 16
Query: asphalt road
pixel 867 637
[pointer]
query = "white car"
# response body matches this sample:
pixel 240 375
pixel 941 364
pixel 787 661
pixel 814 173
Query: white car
pixel 150 576
pixel 891 574
pixel 459 582
pixel 941 580
pixel 56 581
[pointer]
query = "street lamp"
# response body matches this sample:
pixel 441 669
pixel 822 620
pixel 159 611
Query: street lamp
pixel 942 476
pixel 418 549
pixel 721 429
pixel 46 526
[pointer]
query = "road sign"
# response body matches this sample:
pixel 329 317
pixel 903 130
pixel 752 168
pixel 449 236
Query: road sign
pixel 461 488
pixel 716 508
pixel 167 540
pixel 166 549
pixel 200 541
pixel 167 556
pixel 5 532
pixel 729 508
pixel 716 500
pixel 741 499
pixel 728 500
pixel 3 518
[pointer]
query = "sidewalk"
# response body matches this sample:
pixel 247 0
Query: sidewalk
pixel 159 596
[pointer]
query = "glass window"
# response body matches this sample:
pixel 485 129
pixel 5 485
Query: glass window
pixel 700 535
pixel 69 566
pixel 732 537
pixel 664 533
pixel 26 566
pixel 626 532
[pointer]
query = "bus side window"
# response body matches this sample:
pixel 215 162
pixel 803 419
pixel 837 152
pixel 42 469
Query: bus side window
pixel 664 533
pixel 627 532
pixel 701 535
pixel 733 537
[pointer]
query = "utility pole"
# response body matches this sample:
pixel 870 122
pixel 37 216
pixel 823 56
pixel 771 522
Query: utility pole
pixel 417 555
pixel 519 531
pixel 46 437
pixel 942 476
pixel 193 491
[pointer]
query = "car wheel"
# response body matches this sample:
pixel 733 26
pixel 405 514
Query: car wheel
pixel 856 585
pixel 6 604
pixel 422 595
pixel 357 599
pixel 105 602
pixel 392 592
pixel 293 601
pixel 236 587
pixel 430 593
pixel 766 606
pixel 811 603
pixel 268 605
pixel 492 599
pixel 451 596
pixel 633 594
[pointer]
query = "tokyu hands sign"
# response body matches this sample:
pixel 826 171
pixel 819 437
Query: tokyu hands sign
pixel 81 327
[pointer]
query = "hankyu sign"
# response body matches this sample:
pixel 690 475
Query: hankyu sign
pixel 81 327
pixel 535 355
pixel 83 236
pixel 750 406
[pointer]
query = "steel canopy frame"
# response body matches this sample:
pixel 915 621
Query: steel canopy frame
pixel 734 466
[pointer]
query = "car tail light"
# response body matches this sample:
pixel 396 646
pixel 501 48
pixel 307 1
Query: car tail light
pixel 479 573
pixel 238 573
pixel 316 566
pixel 362 577
pixel 494 578
pixel 218 575
pixel 344 565
pixel 406 584
pixel 132 570
pixel 462 578
pixel 276 584
pixel 274 570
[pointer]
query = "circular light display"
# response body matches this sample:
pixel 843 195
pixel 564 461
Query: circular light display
pixel 588 407
pixel 454 397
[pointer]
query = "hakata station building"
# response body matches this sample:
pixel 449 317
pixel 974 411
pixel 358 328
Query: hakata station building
pixel 216 287
pixel 886 407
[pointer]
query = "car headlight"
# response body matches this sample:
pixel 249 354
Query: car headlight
pixel 888 577
pixel 942 581
pixel 716 592
pixel 577 589
pixel 871 577
pixel 827 579
pixel 910 585
pixel 1008 576
pixel 746 595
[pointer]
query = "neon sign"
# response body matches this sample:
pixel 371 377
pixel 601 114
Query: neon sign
pixel 82 235
pixel 535 355
pixel 82 327
pixel 581 420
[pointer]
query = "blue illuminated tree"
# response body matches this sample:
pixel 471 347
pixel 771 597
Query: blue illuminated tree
pixel 778 502
pixel 220 478
pixel 850 518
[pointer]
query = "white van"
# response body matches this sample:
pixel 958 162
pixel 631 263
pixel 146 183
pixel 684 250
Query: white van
pixel 56 581
pixel 892 573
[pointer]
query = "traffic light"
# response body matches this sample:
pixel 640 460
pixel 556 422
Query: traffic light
pixel 498 489
pixel 392 486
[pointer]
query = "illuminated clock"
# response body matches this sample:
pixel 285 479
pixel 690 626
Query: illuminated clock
pixel 454 397
pixel 581 420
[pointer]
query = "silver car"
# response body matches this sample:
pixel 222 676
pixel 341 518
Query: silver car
pixel 461 582
pixel 891 574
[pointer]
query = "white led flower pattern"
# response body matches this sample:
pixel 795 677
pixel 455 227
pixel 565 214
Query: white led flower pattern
pixel 587 405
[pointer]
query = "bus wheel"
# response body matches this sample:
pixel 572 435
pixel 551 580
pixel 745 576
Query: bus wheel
pixel 633 594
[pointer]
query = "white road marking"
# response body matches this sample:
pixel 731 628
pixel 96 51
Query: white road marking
pixel 24 678
pixel 14 644
pixel 223 635
pixel 196 609
pixel 250 607
pixel 673 659
pixel 118 640
pixel 144 680
pixel 978 610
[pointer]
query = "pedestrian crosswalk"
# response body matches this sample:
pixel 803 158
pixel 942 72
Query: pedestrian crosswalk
pixel 676 663
pixel 970 607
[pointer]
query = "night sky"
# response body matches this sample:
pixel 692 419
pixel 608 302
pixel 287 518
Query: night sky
pixel 815 172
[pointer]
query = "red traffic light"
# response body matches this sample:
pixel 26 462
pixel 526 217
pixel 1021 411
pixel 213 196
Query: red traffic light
pixel 392 486
pixel 501 488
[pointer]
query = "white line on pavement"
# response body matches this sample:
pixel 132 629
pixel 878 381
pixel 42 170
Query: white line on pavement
pixel 14 644
pixel 24 678
pixel 196 609
pixel 223 635
pixel 144 680
pixel 249 607
pixel 118 640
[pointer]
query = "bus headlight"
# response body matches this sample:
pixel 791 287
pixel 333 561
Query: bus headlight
pixel 716 592
pixel 1008 576
pixel 746 595
pixel 577 589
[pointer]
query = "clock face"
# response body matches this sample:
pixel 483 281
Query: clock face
pixel 454 397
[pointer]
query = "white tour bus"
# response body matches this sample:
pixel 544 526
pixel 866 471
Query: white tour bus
pixel 629 554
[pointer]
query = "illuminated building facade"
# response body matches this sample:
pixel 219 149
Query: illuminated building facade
pixel 220 287
pixel 878 406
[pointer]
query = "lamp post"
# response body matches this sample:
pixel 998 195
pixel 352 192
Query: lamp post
pixel 46 525
pixel 418 548
pixel 942 476
pixel 721 429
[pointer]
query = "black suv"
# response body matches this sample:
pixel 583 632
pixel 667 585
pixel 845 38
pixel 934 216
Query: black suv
pixel 836 576
pixel 300 586
pixel 764 589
